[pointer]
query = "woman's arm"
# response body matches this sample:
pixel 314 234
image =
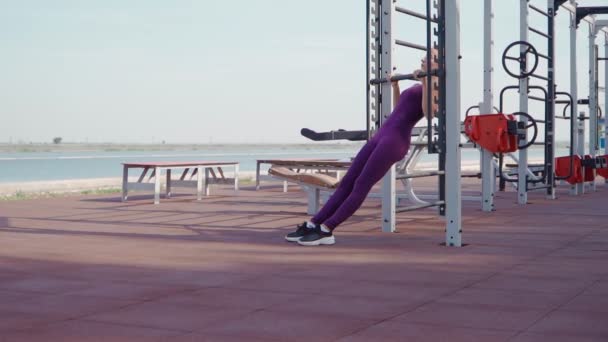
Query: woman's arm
pixel 425 94
pixel 396 93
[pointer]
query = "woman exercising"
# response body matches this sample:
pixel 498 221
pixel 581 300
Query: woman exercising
pixel 388 146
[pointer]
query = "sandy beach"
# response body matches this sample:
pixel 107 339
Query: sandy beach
pixel 66 186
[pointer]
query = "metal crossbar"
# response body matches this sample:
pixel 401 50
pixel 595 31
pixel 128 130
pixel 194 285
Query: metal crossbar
pixel 420 206
pixel 538 32
pixel 420 174
pixel 410 77
pixel 538 10
pixel 410 45
pixel 539 77
pixel 414 14
pixel 543 56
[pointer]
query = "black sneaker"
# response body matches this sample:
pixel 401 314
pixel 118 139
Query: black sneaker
pixel 299 233
pixel 317 237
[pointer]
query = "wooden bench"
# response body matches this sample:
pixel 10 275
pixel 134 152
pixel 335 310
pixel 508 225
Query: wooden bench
pixel 302 165
pixel 195 174
pixel 312 183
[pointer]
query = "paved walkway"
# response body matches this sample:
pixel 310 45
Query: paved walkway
pixel 95 269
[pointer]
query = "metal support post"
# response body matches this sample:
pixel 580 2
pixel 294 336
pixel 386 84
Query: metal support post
pixel 522 165
pixel 387 8
pixel 593 96
pixel 550 116
pixel 488 177
pixel 581 146
pixel 451 14
pixel 575 189
pixel 606 96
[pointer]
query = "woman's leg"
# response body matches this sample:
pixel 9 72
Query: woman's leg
pixel 388 151
pixel 346 184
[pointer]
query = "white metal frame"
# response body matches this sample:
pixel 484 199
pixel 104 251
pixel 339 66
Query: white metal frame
pixel 593 96
pixel 387 43
pixel 453 126
pixel 606 94
pixel 579 188
pixel 488 176
pixel 522 163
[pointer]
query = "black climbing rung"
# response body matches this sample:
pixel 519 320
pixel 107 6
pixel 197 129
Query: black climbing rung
pixel 419 206
pixel 420 174
pixel 410 45
pixel 539 77
pixel 543 56
pixel 541 99
pixel 532 29
pixel 414 14
pixel 532 7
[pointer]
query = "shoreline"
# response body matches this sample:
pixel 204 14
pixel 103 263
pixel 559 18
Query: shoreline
pixel 84 185
pixel 118 147
pixel 27 189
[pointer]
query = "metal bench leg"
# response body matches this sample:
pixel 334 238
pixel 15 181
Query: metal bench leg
pixel 199 183
pixel 257 176
pixel 314 195
pixel 157 176
pixel 168 185
pixel 236 177
pixel 207 181
pixel 125 183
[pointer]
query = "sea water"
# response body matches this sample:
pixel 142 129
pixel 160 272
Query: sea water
pixel 41 166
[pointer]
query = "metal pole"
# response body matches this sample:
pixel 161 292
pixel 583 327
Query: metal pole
pixel 368 87
pixel 488 177
pixel 372 66
pixel 581 144
pixel 550 115
pixel 575 189
pixel 387 8
pixel 606 97
pixel 593 143
pixel 522 165
pixel 451 15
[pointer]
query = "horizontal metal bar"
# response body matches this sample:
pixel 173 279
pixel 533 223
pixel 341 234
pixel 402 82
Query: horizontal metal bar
pixel 541 99
pixel 602 59
pixel 571 9
pixel 414 14
pixel 410 45
pixel 420 174
pixel 543 56
pixel 539 77
pixel 410 77
pixel 420 206
pixel 532 29
pixel 538 10
pixel 534 188
pixel 582 12
pixel 512 165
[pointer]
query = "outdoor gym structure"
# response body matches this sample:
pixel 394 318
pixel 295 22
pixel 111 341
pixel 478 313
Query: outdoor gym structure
pixel 496 135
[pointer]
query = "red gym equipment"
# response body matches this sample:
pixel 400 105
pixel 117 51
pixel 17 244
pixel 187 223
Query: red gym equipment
pixel 592 166
pixel 498 133
pixel 562 169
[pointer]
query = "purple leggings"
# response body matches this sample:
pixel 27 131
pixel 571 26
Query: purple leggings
pixel 370 165
pixel 387 147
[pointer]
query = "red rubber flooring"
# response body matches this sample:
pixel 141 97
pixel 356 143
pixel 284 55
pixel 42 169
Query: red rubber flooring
pixel 94 269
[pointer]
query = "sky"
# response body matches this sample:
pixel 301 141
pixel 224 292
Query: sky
pixel 240 71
